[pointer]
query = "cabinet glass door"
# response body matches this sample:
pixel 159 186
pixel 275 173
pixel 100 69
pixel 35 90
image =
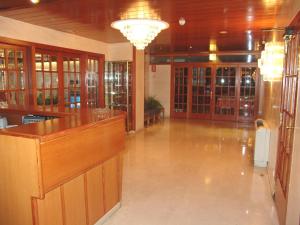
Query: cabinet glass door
pixel 225 93
pixel 201 92
pixel 247 99
pixel 92 81
pixel 12 75
pixel 72 82
pixel 46 79
pixel 180 91
pixel 118 88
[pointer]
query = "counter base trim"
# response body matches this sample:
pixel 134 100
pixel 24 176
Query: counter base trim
pixel 109 214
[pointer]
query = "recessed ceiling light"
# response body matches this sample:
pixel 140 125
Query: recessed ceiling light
pixel 223 32
pixel 181 21
pixel 35 1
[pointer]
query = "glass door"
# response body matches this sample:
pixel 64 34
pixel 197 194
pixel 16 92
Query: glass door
pixel 247 100
pixel 179 103
pixel 225 97
pixel 201 92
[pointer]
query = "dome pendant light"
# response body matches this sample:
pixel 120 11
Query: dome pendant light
pixel 140 32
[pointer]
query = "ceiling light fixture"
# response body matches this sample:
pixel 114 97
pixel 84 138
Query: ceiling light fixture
pixel 271 61
pixel 223 32
pixel 35 1
pixel 181 21
pixel 140 32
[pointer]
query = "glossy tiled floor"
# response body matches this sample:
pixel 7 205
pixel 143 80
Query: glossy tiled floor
pixel 193 173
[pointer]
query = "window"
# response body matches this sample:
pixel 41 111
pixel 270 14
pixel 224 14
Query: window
pixel 12 75
pixel 47 79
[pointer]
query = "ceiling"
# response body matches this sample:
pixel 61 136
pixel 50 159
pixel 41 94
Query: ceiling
pixel 205 19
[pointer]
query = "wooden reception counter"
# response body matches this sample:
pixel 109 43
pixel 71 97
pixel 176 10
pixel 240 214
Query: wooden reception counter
pixel 63 171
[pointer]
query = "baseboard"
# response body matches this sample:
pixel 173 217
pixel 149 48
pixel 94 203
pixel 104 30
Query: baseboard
pixel 109 214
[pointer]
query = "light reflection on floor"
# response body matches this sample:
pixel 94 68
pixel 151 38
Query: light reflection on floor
pixel 193 173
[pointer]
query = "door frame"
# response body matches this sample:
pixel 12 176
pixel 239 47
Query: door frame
pixel 285 154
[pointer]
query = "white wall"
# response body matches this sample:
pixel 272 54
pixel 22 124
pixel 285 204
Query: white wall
pixel 18 30
pixel 120 52
pixel 160 85
pixel 32 33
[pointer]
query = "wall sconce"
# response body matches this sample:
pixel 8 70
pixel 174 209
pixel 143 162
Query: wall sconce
pixel 271 61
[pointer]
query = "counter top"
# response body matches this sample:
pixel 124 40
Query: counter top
pixel 68 120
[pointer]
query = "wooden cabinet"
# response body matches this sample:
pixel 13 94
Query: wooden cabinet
pixel 95 194
pixel 214 91
pixel 69 178
pixel 49 211
pixel 81 201
pixel 50 76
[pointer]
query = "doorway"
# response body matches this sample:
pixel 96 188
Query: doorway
pixel 210 91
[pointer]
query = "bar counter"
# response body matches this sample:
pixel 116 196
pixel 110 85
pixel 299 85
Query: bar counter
pixel 63 171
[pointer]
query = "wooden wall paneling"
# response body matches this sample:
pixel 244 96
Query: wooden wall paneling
pixel 19 172
pixel 111 183
pixel 94 194
pixel 49 210
pixel 243 15
pixel 74 202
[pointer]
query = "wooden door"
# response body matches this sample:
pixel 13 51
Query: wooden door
pixel 201 91
pixel 179 91
pixel 225 93
pixel 286 132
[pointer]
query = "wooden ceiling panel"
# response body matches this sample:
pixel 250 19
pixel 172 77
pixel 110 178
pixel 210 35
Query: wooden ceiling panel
pixel 204 19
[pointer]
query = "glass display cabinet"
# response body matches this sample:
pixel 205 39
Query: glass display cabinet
pixel 118 88
pixel 12 75
pixel 92 83
pixel 46 73
pixel 72 81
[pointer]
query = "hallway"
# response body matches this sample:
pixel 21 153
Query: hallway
pixel 193 173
